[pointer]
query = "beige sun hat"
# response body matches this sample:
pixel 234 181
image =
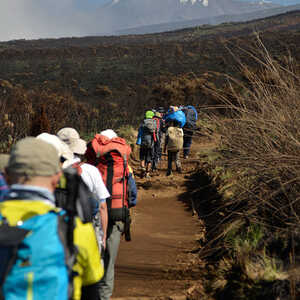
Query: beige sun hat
pixel 33 157
pixel 63 149
pixel 3 161
pixel 71 137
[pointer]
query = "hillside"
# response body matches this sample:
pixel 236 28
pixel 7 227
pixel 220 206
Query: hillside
pixel 121 76
pixel 242 179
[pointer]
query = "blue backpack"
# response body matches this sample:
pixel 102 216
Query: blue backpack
pixel 33 261
pixel 191 116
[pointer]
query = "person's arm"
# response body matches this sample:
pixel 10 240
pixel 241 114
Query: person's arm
pixel 139 137
pixel 104 220
pixel 132 189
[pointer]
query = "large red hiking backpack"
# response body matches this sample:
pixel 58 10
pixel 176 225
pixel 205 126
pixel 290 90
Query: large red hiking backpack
pixel 111 156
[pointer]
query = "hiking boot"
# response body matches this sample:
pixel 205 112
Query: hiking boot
pixel 169 173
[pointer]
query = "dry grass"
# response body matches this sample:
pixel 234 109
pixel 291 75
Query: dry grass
pixel 261 140
pixel 260 147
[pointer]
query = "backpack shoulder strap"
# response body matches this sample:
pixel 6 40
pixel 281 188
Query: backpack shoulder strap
pixel 10 239
pixel 77 166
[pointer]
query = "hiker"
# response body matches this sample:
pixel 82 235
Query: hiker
pixel 45 264
pixel 189 128
pixel 146 139
pixel 173 143
pixel 110 154
pixel 64 152
pixel 91 177
pixel 67 162
pixel 157 151
pixel 3 185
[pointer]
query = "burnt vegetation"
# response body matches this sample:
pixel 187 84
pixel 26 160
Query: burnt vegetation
pixel 244 76
pixel 97 82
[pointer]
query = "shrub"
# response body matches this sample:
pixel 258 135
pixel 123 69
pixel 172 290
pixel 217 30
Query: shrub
pixel 260 145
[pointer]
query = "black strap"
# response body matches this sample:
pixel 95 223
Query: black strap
pixel 90 292
pixel 109 178
pixel 10 239
pixel 124 190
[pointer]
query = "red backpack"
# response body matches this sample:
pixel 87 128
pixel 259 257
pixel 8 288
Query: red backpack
pixel 111 156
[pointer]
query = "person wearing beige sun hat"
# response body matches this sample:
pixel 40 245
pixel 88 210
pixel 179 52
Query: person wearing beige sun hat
pixel 64 152
pixel 33 172
pixel 91 176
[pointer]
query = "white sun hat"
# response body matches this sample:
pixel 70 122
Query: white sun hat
pixel 109 133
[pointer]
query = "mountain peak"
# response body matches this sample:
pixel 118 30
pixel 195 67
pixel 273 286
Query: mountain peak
pixel 135 13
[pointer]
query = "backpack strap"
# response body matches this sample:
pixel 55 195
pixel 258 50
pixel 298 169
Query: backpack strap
pixel 154 133
pixel 77 166
pixel 158 123
pixel 110 176
pixel 154 136
pixel 157 127
pixel 124 190
pixel 125 211
pixel 10 239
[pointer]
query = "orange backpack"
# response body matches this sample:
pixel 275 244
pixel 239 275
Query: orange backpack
pixel 111 156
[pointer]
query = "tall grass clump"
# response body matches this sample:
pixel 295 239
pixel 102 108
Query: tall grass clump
pixel 260 147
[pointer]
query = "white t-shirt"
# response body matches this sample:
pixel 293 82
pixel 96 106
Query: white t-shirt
pixel 93 179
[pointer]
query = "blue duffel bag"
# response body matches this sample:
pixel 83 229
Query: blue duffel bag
pixel 178 116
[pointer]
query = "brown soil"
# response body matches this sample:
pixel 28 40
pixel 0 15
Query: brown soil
pixel 161 261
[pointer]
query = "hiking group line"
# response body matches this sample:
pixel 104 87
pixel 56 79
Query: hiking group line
pixel 65 204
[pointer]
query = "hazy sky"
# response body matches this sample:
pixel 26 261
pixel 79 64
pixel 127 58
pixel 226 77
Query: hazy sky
pixel 32 19
pixel 47 18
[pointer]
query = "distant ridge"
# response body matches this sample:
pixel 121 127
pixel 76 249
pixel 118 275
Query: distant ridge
pixel 287 21
pixel 118 15
pixel 164 27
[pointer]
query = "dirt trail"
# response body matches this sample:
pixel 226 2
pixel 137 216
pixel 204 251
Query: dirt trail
pixel 159 261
